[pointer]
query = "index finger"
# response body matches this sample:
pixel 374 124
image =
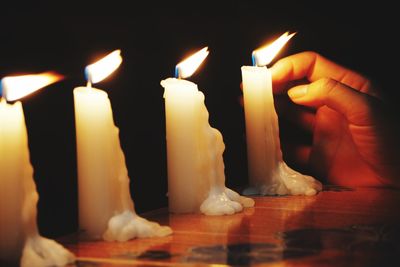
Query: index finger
pixel 312 66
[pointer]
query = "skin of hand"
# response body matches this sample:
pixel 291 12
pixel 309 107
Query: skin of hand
pixel 354 135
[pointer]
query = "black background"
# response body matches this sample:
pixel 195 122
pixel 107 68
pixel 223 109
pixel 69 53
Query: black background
pixel 65 37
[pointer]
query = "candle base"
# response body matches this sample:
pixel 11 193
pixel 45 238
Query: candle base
pixel 224 203
pixel 286 181
pixel 127 225
pixel 40 251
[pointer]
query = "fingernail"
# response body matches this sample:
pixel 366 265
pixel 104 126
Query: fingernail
pixel 298 92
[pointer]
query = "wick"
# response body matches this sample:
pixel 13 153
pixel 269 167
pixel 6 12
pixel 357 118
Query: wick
pixel 88 77
pixel 1 91
pixel 177 73
pixel 253 60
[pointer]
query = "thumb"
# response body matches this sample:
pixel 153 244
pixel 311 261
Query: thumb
pixel 355 106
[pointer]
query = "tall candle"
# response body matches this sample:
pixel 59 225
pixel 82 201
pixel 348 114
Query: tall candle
pixel 268 173
pixel 105 206
pixel 19 236
pixel 196 179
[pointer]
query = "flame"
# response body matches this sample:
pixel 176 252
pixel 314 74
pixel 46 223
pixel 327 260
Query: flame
pixel 16 87
pixel 264 55
pixel 101 69
pixel 187 67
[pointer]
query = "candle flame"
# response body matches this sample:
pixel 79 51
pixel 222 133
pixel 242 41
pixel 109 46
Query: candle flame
pixel 187 67
pixel 16 87
pixel 101 69
pixel 264 55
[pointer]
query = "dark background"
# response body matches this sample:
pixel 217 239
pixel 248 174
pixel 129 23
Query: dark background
pixel 65 37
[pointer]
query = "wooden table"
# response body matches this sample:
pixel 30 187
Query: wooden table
pixel 338 227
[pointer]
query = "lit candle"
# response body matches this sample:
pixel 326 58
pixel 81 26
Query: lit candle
pixel 196 179
pixel 105 206
pixel 268 173
pixel 19 236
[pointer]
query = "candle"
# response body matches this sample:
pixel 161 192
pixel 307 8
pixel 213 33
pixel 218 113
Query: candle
pixel 19 236
pixel 105 206
pixel 196 179
pixel 268 173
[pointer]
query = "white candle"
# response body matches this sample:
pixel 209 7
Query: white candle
pixel 268 173
pixel 105 206
pixel 19 236
pixel 196 179
pixel 186 189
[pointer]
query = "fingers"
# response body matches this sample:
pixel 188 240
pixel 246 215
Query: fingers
pixel 352 104
pixel 327 137
pixel 313 67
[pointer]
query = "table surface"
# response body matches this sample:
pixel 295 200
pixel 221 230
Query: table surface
pixel 338 227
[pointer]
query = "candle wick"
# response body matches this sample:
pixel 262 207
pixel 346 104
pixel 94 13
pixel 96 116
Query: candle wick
pixel 177 73
pixel 253 60
pixel 89 84
pixel 1 90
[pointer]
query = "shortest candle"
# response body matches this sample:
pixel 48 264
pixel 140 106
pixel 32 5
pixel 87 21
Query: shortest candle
pixel 268 173
pixel 105 206
pixel 19 236
pixel 196 178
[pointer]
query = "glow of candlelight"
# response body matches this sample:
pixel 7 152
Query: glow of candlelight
pixel 187 67
pixel 101 69
pixel 16 87
pixel 264 55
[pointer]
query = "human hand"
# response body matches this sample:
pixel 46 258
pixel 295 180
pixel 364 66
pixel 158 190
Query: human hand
pixel 355 141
